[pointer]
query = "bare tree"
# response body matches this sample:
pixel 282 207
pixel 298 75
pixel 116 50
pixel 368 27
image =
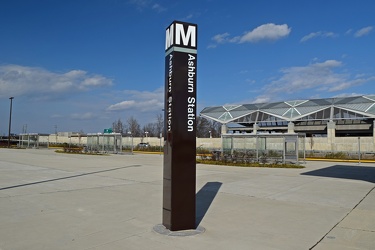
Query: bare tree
pixel 159 124
pixel 203 127
pixel 133 126
pixel 150 128
pixel 215 129
pixel 118 126
pixel 207 128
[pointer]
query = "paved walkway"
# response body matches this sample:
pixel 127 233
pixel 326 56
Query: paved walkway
pixel 59 201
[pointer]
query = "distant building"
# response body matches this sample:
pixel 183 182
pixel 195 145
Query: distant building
pixel 332 117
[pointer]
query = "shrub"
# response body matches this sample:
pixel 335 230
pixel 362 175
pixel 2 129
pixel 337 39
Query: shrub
pixel 244 164
pixel 201 150
pixel 337 155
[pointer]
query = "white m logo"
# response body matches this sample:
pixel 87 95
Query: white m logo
pixel 172 38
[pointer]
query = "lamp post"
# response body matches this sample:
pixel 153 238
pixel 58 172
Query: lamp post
pixel 131 137
pixel 146 133
pixel 10 119
pixel 161 134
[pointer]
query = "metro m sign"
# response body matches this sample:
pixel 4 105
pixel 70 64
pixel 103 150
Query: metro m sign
pixel 180 100
pixel 181 35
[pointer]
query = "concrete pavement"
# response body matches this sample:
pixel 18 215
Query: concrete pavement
pixel 61 201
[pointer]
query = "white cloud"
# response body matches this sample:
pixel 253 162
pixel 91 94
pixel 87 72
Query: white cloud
pixel 269 31
pixel 364 31
pixel 339 87
pixel 122 105
pixel 221 38
pixel 188 17
pixel 142 101
pixel 96 81
pixel 318 34
pixel 158 7
pixel 19 80
pixel 312 76
pixel 317 77
pixel 141 3
pixel 348 95
pixel 262 99
pixel 211 46
pixel 147 4
pixel 265 32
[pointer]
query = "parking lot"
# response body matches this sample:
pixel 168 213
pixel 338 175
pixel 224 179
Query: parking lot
pixel 52 200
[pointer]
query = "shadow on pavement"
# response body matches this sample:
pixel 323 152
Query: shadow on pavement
pixel 346 172
pixel 204 198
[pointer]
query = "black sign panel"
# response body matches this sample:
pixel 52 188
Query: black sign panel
pixel 179 178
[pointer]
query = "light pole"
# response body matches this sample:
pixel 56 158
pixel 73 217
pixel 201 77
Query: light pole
pixel 131 137
pixel 160 142
pixel 56 134
pixel 10 119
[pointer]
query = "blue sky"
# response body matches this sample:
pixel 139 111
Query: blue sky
pixel 80 65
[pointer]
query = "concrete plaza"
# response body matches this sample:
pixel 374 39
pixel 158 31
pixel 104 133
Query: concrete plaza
pixel 65 201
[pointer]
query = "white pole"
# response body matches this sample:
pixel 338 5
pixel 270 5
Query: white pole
pixel 160 143
pixel 359 150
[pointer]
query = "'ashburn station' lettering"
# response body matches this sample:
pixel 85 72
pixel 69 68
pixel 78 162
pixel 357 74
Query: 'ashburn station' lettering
pixel 169 105
pixel 190 88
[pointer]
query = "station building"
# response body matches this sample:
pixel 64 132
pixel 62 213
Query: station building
pixel 329 118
